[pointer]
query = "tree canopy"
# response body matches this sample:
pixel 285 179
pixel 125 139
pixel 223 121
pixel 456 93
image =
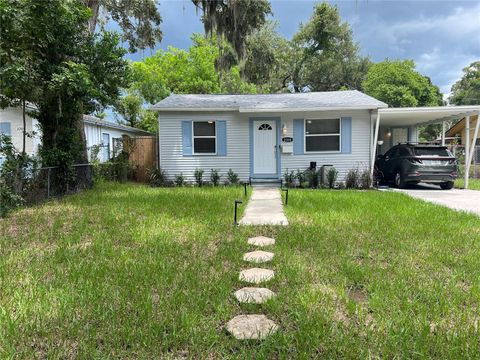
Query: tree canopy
pixel 466 91
pixel 233 20
pixel 139 21
pixel 398 84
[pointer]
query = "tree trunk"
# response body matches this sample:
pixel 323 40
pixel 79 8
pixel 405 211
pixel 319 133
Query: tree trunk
pixel 24 127
pixel 93 5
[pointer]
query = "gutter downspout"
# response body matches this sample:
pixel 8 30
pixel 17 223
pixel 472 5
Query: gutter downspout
pixel 374 144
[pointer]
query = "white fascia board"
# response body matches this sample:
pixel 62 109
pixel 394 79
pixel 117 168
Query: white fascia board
pixel 432 109
pixel 325 108
pixel 192 109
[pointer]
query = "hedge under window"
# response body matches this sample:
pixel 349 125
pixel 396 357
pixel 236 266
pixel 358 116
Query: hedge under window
pixel 204 137
pixel 322 135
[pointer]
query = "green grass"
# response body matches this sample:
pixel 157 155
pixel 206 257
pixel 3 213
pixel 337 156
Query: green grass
pixel 131 271
pixel 473 184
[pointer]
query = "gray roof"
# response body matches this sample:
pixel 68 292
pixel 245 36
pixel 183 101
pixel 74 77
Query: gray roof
pixel 352 99
pixel 97 121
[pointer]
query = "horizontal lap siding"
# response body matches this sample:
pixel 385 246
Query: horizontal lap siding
pixel 359 156
pixel 174 163
pixel 171 155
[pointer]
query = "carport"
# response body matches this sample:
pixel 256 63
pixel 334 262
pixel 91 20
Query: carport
pixel 407 120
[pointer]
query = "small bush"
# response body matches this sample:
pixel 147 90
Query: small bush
pixel 301 177
pixel 352 179
pixel 198 174
pixel 289 178
pixel 157 177
pixel 8 200
pixel 365 179
pixel 179 180
pixel 215 177
pixel 232 177
pixel 332 175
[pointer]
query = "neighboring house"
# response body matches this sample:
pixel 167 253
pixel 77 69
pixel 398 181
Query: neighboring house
pixel 458 131
pixel 97 132
pixel 261 136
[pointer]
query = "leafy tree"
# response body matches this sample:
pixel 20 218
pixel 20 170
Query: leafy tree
pixel 267 56
pixel 77 71
pixel 399 85
pixel 233 20
pixel 139 20
pixel 130 108
pixel 466 91
pixel 322 55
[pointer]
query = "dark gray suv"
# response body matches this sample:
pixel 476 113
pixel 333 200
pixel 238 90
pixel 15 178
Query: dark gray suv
pixel 410 164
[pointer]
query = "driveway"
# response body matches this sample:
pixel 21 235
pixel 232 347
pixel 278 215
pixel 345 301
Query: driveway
pixel 458 199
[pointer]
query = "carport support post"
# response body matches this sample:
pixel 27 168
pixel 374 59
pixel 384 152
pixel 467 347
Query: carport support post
pixel 374 144
pixel 467 152
pixel 472 148
pixel 443 133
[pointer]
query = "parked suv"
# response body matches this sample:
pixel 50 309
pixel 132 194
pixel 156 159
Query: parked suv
pixel 410 164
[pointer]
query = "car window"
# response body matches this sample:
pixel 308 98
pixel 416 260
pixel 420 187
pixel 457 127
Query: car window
pixel 390 152
pixel 403 152
pixel 432 151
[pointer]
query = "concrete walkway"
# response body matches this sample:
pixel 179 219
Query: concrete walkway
pixel 457 199
pixel 264 208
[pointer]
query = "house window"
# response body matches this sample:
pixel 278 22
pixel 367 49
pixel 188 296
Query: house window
pixel 204 137
pixel 322 135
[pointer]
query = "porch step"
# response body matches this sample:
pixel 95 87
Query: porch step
pixel 271 183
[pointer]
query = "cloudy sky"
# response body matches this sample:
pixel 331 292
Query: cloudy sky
pixel 441 36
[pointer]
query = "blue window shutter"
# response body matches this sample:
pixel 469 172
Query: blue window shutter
pixel 221 137
pixel 298 136
pixel 346 135
pixel 6 128
pixel 187 138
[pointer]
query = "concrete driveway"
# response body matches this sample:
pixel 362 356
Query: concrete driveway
pixel 458 199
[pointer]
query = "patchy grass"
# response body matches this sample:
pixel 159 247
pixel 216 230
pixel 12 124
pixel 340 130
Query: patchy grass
pixel 473 184
pixel 131 271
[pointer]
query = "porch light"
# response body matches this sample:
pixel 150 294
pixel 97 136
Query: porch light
pixel 210 122
pixel 380 142
pixel 284 129
pixel 389 134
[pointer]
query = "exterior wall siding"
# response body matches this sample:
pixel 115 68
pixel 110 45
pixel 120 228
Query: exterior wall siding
pixel 15 118
pixel 238 144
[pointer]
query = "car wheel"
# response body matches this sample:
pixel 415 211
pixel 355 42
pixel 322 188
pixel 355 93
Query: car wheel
pixel 399 182
pixel 447 185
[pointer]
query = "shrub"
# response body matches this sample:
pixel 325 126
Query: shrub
pixel 198 174
pixel 301 177
pixel 8 200
pixel 215 177
pixel 289 177
pixel 180 180
pixel 352 179
pixel 157 177
pixel 232 177
pixel 332 175
pixel 365 179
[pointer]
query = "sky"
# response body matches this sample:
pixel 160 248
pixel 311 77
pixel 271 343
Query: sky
pixel 442 37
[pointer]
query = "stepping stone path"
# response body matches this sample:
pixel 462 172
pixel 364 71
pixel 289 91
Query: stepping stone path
pixel 258 256
pixel 253 295
pixel 256 275
pixel 245 327
pixel 261 241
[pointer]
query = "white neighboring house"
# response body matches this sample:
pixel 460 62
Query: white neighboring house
pixel 97 132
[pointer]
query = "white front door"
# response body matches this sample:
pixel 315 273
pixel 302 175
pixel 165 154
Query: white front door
pixel 264 147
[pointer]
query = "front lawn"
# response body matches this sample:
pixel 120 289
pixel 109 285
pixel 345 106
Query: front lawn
pixel 131 271
pixel 473 184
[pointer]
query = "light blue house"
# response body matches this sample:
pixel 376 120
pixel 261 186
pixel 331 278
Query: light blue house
pixel 260 136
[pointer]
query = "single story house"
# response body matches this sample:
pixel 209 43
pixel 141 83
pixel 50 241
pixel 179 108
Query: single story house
pixel 261 136
pixel 97 131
